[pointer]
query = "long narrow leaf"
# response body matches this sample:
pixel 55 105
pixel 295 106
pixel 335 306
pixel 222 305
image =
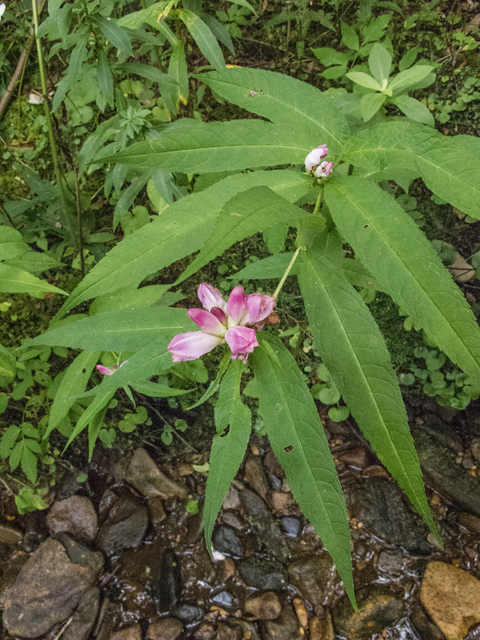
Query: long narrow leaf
pixel 204 38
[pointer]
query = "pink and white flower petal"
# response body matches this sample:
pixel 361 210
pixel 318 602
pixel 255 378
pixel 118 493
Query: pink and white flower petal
pixel 259 307
pixel 241 341
pixel 237 307
pixel 105 370
pixel 324 170
pixel 315 156
pixel 211 297
pixel 191 345
pixel 207 322
pixel 220 315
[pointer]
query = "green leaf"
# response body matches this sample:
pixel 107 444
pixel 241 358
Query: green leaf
pixel 8 440
pixel 182 229
pixel 244 3
pixel 105 78
pixel 135 19
pixel 450 171
pixel 275 237
pixel 266 269
pixel 212 146
pixel 14 280
pixel 229 448
pixel 395 251
pixel 73 383
pixel 409 58
pixel 380 62
pixel 95 407
pixel 350 37
pixel 329 56
pixel 29 463
pixel 364 80
pixel 130 330
pixel 353 349
pixel 11 243
pixel 155 390
pixel 204 38
pixel 177 70
pixel 16 455
pixel 214 386
pixel 414 110
pixel 284 101
pixel 129 298
pixel 299 443
pixel 34 262
pixel 114 34
pixel 370 104
pixel 242 216
pixel 410 76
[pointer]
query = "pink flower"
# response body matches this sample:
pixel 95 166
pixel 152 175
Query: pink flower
pixel 315 157
pixel 324 169
pixel 234 322
pixel 105 370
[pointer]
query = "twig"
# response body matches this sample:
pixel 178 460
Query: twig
pixel 64 627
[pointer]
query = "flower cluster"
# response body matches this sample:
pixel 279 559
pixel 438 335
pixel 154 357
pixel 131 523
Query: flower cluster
pixel 313 162
pixel 234 322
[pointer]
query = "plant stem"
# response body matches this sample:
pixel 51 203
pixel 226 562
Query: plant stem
pixel 51 137
pixel 319 201
pixel 79 218
pixel 287 271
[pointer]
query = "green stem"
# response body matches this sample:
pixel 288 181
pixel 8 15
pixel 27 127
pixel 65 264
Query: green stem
pixel 51 137
pixel 287 271
pixel 319 201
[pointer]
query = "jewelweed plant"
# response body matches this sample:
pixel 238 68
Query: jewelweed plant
pixel 268 179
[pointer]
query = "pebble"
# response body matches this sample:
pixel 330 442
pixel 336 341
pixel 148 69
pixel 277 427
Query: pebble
pixel 233 520
pixel 255 476
pixel 470 522
pixel 232 499
pixel 74 515
pixel 300 610
pixel 229 632
pixel 314 577
pixel 205 631
pixel 227 542
pixel 321 628
pixel 84 616
pixel 9 535
pixel 264 525
pixel 282 502
pixel 124 527
pixel 284 628
pixel 475 448
pixel 164 629
pixel 451 597
pixel 359 458
pixel 265 606
pixel 426 629
pixel 390 561
pixel 156 510
pixel 188 613
pixel 168 587
pixel 129 633
pixel 224 599
pixel 273 465
pixel 143 474
pixel 262 574
pixel 292 527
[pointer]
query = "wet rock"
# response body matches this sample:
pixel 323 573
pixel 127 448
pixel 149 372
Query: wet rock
pixel 377 608
pixel 321 628
pixel 49 587
pixel 359 458
pixel 224 599
pixel 426 629
pixel 84 616
pixel 110 619
pixel 262 574
pixel 472 523
pixel 169 586
pixel 379 505
pixel 227 542
pixel 164 629
pixel 273 465
pixel 205 631
pixel 443 473
pixel 74 515
pixel 156 511
pixel 314 577
pixel 249 629
pixel 9 535
pixel 229 632
pixel 255 476
pixel 143 474
pixel 473 633
pixel 129 633
pixel 300 612
pixel 390 561
pixel 286 627
pixel 452 598
pixel 292 527
pixel 124 527
pixel 188 613
pixel 263 523
pixel 265 606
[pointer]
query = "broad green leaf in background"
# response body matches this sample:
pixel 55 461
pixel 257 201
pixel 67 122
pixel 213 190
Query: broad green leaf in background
pixel 114 34
pixel 97 404
pixel 391 246
pixel 266 269
pixel 350 37
pixel 166 83
pixel 414 110
pixel 245 3
pixel 228 448
pixel 14 280
pixel 206 41
pixel 182 229
pixel 283 100
pixel 105 78
pixel 77 57
pixel 410 76
pixel 177 70
pixel 364 80
pixel 370 104
pixel 74 382
pixel 34 262
pixel 212 146
pixel 299 443
pixel 242 216
pixel 448 170
pixel 354 352
pixel 155 390
pixel 128 330
pixel 129 298
pixel 380 62
pixel 135 19
pixel 11 243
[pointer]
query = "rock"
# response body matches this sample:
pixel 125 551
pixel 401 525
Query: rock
pixel 314 577
pixel 205 631
pixel 156 511
pixel 164 629
pixel 273 465
pixel 262 574
pixel 188 613
pixel 461 270
pixel 443 473
pixel 263 523
pixel 9 535
pixel 224 599
pixel 265 606
pixel 232 499
pixel 473 633
pixel 233 520
pixel 358 457
pixel 390 561
pixel 292 527
pixel 110 619
pixel 426 629
pixel 124 527
pixel 377 608
pixel 84 616
pixel 282 502
pixel 321 628
pixel 475 448
pixel 378 504
pixel 169 586
pixel 229 632
pixel 284 628
pixel 472 523
pixel 129 633
pixel 227 542
pixel 451 597
pixel 74 515
pixel 143 474
pixel 255 476
pixel 49 587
